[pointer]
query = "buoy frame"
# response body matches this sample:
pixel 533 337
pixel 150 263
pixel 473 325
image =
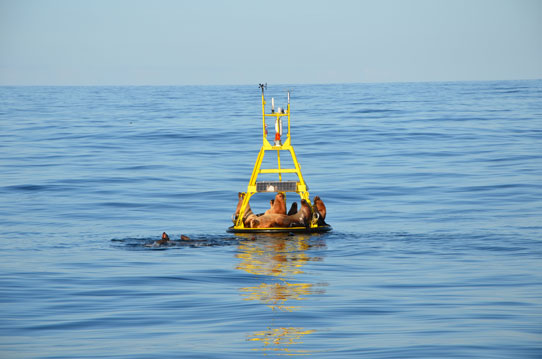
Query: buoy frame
pixel 254 186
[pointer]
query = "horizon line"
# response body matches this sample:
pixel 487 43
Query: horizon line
pixel 275 84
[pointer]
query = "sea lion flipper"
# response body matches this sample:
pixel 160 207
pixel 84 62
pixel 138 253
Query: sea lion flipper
pixel 293 209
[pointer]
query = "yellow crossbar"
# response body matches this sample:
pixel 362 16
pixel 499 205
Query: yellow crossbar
pixel 279 170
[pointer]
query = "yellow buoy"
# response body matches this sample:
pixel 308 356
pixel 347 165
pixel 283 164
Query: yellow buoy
pixel 254 186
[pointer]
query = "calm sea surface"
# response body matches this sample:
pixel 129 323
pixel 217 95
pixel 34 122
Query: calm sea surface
pixel 434 191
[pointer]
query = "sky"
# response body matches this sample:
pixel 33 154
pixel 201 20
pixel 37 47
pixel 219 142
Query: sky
pixel 205 42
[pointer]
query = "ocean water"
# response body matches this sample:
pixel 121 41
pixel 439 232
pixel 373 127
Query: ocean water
pixel 434 192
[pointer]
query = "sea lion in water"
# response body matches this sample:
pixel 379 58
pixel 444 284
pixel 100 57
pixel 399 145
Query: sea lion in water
pixel 162 242
pixel 165 239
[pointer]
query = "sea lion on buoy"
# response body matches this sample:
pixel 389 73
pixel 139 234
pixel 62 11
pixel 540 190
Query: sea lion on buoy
pixel 293 209
pixel 278 205
pixel 320 206
pixel 319 210
pixel 267 220
pixel 300 219
pixel 247 216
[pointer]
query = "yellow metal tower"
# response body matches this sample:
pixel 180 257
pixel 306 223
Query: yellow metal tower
pixel 255 186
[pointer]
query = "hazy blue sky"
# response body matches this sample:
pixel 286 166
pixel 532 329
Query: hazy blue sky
pixel 124 42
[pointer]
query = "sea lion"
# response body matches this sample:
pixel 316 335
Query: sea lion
pixel 278 205
pixel 293 209
pixel 299 219
pixel 319 211
pixel 267 221
pixel 320 206
pixel 247 216
pixel 162 242
pixel 165 239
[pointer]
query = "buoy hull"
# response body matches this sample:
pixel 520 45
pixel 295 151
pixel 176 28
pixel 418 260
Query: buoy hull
pixel 319 229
